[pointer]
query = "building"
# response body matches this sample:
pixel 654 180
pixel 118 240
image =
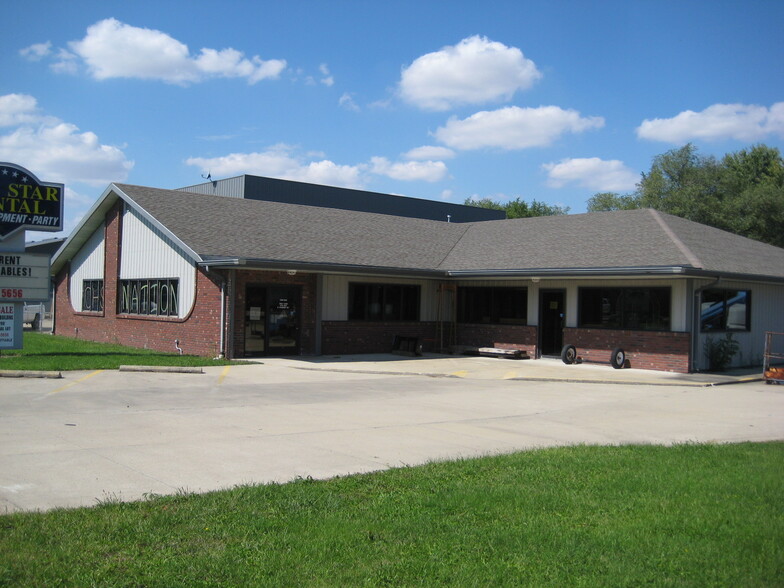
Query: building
pixel 243 276
pixel 48 247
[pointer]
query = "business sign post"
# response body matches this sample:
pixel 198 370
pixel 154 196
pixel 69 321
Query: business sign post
pixel 25 203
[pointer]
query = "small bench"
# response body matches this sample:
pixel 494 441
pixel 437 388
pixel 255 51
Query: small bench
pixel 404 345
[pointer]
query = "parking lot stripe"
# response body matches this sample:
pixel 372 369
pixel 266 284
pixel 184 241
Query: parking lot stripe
pixel 82 379
pixel 224 373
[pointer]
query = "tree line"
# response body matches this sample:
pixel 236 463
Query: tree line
pixel 743 192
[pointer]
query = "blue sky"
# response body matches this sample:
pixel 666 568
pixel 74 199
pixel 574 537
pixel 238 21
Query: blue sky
pixel 551 101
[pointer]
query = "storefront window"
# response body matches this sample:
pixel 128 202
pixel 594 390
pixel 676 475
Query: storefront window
pixel 725 310
pixel 639 309
pixel 492 305
pixel 92 296
pixel 383 302
pixel 157 297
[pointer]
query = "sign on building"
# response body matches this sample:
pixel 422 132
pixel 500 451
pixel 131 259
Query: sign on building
pixel 28 203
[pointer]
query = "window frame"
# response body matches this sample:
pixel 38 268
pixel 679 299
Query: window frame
pixel 91 285
pixel 618 300
pixel 143 303
pixel 405 309
pixel 727 295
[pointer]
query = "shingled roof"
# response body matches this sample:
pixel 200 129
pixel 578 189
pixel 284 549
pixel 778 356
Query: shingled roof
pixel 257 232
pixel 261 231
pixel 619 241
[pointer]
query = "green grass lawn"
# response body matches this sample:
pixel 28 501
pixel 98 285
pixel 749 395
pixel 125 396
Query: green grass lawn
pixel 56 353
pixel 689 515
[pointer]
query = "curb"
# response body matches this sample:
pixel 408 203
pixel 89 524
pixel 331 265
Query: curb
pixel 161 368
pixel 29 374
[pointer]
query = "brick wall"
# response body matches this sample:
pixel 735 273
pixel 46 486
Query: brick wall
pixel 648 350
pixel 198 333
pixel 353 337
pixel 502 336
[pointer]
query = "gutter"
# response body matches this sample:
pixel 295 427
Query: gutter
pixel 559 272
pixel 235 263
pixel 552 273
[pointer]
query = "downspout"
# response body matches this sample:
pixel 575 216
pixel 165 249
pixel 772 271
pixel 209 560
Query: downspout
pixel 222 344
pixel 231 310
pixel 695 323
pixel 222 325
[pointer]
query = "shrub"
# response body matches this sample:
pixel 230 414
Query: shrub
pixel 720 352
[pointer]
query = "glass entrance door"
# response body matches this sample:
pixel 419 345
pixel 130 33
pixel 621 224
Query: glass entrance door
pixel 283 320
pixel 272 320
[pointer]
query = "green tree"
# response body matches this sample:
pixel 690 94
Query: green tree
pixel 743 193
pixel 753 184
pixel 519 208
pixel 604 201
pixel 683 183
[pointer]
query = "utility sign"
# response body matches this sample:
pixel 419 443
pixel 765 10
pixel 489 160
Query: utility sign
pixel 10 326
pixel 24 277
pixel 28 203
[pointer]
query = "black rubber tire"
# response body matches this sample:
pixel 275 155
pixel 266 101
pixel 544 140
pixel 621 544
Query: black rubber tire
pixel 569 354
pixel 618 358
pixel 36 322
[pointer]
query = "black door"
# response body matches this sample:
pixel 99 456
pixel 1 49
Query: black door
pixel 552 314
pixel 272 320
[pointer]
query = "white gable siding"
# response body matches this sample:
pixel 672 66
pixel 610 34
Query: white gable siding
pixel 87 264
pixel 147 253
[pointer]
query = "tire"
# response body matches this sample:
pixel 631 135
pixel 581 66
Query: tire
pixel 569 354
pixel 618 358
pixel 36 322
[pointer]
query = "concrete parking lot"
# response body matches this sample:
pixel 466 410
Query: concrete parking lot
pixel 107 435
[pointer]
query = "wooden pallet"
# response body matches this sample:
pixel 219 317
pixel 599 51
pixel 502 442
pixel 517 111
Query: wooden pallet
pixel 503 353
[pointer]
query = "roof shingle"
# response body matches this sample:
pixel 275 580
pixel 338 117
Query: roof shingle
pixel 216 226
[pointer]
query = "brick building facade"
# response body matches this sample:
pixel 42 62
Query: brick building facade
pixel 249 277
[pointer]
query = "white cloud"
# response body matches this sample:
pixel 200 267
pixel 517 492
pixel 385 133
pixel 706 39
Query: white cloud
pixel 347 101
pixel 474 71
pixel 327 80
pixel 429 152
pixel 112 49
pixel 514 128
pixel 593 173
pixel 742 122
pixel 65 62
pixel 16 109
pixel 56 150
pixel 428 171
pixel 288 163
pixel 281 161
pixel 37 51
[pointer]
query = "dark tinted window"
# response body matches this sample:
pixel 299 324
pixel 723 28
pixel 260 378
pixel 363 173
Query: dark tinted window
pixel 383 302
pixel 492 305
pixel 639 309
